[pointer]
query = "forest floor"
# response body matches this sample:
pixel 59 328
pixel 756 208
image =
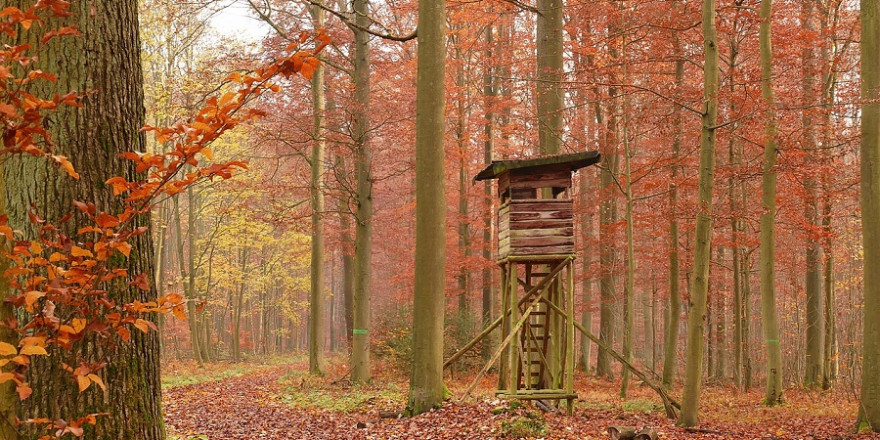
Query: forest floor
pixel 280 401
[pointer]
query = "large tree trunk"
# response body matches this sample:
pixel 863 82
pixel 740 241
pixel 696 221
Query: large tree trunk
pixel 106 60
pixel 316 296
pixel 869 410
pixel 8 396
pixel 702 247
pixel 426 380
pixel 773 392
pixel 363 256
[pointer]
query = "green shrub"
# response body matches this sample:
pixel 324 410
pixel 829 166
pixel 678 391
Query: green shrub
pixel 392 338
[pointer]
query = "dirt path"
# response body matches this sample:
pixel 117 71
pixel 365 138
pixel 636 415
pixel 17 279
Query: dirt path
pixel 245 408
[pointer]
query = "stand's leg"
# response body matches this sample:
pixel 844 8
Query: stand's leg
pixel 505 324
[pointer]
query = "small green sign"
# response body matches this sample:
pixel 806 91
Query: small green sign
pixel 358 331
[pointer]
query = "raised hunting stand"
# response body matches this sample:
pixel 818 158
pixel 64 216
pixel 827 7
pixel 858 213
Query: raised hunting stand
pixel 535 252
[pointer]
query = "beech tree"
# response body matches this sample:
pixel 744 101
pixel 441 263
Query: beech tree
pixel 702 245
pixel 773 393
pixel 869 409
pixel 426 379
pixel 106 61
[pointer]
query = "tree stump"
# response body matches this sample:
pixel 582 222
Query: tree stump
pixel 622 432
pixel 646 433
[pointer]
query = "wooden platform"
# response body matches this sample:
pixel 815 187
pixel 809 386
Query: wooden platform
pixel 537 395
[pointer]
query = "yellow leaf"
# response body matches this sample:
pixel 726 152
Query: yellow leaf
pixel 66 166
pixel 6 377
pixel 142 325
pixel 123 248
pixel 77 251
pixel 97 380
pixel 32 350
pixel 56 257
pixel 83 383
pixel 67 329
pixel 79 324
pixel 7 349
pixel 36 248
pixel 208 153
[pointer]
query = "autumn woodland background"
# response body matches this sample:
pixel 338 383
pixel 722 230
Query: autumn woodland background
pixel 279 219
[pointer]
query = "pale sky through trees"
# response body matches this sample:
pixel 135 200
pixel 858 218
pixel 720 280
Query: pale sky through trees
pixel 235 21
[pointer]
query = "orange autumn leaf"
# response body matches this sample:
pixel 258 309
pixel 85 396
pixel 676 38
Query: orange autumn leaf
pixel 24 391
pixel 32 350
pixel 77 251
pixel 83 382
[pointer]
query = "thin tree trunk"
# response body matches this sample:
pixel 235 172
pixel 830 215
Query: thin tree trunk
pixel 735 162
pixel 629 294
pixel 464 233
pixel 773 392
pixel 316 291
pixel 828 88
pixel 192 320
pixel 702 247
pixel 815 361
pixel 489 88
pixel 670 355
pixel 360 350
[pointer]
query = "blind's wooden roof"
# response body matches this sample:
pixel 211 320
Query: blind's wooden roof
pixel 573 162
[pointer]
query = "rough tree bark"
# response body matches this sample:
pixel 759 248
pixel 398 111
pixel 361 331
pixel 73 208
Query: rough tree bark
pixel 106 60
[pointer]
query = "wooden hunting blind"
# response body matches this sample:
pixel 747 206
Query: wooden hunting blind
pixel 535 252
